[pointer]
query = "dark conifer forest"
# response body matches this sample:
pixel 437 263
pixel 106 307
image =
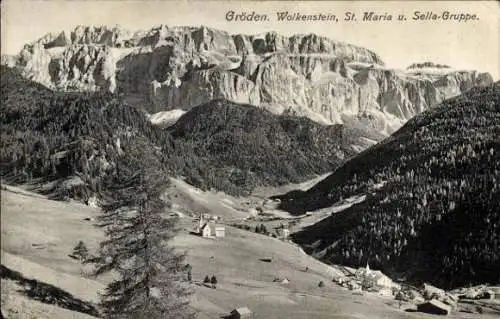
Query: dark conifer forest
pixel 234 147
pixel 60 137
pixel 72 141
pixel 432 210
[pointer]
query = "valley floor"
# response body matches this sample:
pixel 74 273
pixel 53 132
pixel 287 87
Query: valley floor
pixel 38 235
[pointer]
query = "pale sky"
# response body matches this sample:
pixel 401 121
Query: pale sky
pixel 466 45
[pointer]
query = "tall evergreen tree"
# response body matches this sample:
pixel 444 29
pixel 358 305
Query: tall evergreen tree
pixel 150 282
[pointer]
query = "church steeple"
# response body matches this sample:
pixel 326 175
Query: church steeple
pixel 200 226
pixel 200 223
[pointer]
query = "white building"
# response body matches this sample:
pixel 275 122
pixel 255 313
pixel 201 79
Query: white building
pixel 220 231
pixel 283 231
pixel 206 230
pixel 374 279
pixel 209 229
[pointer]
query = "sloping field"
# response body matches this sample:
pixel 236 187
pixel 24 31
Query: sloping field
pixel 38 234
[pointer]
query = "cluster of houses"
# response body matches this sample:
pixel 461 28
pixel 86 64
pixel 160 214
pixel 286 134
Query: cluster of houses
pixel 369 280
pixel 433 300
pixel 429 300
pixel 478 292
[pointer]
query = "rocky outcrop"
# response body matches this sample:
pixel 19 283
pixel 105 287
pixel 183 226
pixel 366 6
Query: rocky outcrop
pixel 180 67
pixel 76 67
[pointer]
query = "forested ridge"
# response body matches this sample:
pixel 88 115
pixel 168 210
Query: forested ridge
pixel 57 137
pixel 72 140
pixel 236 147
pixel 432 210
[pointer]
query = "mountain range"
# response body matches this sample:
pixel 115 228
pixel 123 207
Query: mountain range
pixel 234 112
pixel 168 68
pixel 56 136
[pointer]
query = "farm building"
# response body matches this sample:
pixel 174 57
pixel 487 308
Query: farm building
pixel 488 294
pixel 385 291
pixel 434 306
pixel 496 291
pixel 430 291
pixel 220 231
pixel 241 313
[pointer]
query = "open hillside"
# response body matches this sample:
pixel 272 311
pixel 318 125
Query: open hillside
pixel 67 143
pixel 432 207
pixel 39 234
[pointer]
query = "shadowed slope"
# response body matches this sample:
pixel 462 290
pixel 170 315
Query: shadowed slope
pixel 432 210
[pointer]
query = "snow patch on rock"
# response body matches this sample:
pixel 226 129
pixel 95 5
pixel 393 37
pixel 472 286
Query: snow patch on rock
pixel 165 118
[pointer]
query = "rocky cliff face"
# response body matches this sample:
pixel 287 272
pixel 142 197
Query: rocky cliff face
pixel 181 67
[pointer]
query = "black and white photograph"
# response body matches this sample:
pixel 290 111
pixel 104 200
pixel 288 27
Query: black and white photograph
pixel 250 159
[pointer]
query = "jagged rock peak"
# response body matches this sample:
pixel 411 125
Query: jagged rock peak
pixel 179 67
pixel 205 38
pixel 80 35
pixel 99 35
pixel 428 64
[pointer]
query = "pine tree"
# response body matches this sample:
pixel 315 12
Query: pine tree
pixel 150 283
pixel 188 268
pixel 263 229
pixel 213 281
pixel 80 251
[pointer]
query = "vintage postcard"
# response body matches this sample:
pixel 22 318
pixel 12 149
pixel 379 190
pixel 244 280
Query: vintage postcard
pixel 250 159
